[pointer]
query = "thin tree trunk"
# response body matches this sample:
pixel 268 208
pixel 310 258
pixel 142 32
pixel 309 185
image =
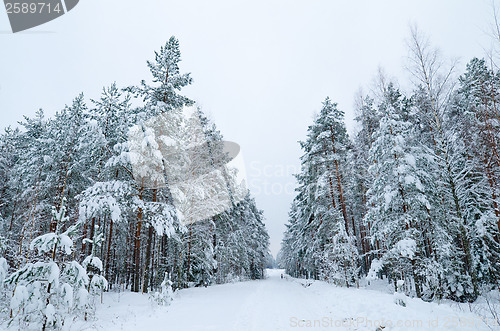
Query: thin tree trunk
pixel 108 253
pixel 147 261
pixel 339 184
pixel 137 248
pixel 189 254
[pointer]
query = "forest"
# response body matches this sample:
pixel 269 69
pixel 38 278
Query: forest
pixel 77 218
pixel 413 196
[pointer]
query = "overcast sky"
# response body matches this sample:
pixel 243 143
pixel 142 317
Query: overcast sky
pixel 261 68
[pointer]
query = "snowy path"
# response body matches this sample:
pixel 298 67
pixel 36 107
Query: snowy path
pixel 279 304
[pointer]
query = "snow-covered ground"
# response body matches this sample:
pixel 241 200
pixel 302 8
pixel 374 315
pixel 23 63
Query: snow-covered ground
pixel 279 304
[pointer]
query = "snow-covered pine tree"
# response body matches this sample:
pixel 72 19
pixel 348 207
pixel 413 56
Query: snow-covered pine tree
pixel 166 293
pixel 472 124
pixel 161 98
pixel 8 190
pixel 358 176
pixel 398 207
pixel 315 236
pixel 93 265
pixel 456 178
pixel 49 289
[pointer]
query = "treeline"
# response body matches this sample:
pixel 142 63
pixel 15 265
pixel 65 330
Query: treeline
pixel 414 194
pixel 82 156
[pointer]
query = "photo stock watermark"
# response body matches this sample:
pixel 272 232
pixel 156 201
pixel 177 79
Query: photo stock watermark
pixel 27 14
pixel 363 322
pixel 205 177
pixel 272 179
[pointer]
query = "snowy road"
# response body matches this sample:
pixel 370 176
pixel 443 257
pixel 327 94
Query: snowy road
pixel 280 304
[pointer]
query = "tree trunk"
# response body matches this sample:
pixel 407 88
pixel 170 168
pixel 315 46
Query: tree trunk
pixel 108 253
pixel 147 261
pixel 339 184
pixel 91 236
pixel 189 254
pixel 137 248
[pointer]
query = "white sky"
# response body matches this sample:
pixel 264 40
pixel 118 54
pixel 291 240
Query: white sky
pixel 260 68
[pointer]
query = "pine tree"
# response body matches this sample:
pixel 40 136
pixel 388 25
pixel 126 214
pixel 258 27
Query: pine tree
pixel 398 205
pixel 46 290
pixel 315 237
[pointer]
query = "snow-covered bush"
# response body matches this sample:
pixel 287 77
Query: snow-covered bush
pixel 4 269
pixel 48 290
pixel 340 259
pixel 93 266
pixel 400 296
pixel 166 294
pixel 375 268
